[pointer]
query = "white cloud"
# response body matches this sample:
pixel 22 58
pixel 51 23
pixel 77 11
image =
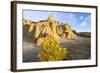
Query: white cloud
pixel 85 21
pixel 81 17
pixel 83 24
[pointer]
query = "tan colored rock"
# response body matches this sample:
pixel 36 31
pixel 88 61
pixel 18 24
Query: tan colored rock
pixel 49 26
pixel 29 23
pixel 31 27
pixel 26 22
pixel 59 30
pixel 46 27
pixel 54 29
pixel 50 18
pixel 68 33
pixel 40 40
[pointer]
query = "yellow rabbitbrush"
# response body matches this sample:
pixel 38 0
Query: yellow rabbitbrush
pixel 51 50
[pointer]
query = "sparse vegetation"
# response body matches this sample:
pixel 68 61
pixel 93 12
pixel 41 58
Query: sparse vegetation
pixel 51 50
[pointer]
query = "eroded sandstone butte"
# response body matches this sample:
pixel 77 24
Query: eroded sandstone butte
pixel 38 30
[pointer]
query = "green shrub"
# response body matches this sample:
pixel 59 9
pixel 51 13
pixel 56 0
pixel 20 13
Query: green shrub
pixel 51 50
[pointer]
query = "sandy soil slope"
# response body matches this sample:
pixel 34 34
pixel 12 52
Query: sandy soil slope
pixel 79 48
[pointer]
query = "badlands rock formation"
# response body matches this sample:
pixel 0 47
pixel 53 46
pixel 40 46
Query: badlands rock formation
pixel 38 30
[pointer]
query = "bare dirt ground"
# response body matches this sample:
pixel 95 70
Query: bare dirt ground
pixel 78 48
pixel 30 52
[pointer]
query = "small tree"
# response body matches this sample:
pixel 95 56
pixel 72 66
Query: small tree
pixel 51 50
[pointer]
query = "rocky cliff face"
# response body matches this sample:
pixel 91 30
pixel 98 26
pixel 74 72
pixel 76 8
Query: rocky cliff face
pixel 39 30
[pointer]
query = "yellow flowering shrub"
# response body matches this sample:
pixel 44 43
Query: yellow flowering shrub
pixel 51 50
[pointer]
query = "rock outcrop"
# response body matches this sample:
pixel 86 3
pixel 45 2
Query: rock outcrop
pixel 39 30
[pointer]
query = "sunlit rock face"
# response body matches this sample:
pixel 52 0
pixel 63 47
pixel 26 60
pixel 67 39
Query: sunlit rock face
pixel 38 30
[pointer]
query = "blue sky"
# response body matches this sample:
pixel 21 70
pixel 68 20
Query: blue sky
pixel 81 22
